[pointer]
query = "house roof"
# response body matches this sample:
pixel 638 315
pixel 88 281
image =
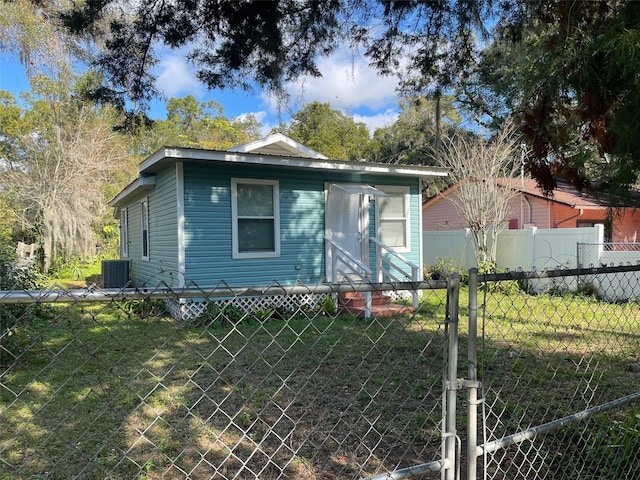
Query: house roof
pixel 565 194
pixel 275 151
pixel 138 186
pixel 278 144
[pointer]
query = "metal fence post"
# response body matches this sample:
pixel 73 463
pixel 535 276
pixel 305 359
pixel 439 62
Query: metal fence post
pixel 451 383
pixel 472 393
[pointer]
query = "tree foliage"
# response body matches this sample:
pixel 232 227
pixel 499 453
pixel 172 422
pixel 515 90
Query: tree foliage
pixel 565 70
pixel 328 131
pixel 190 123
pixel 271 43
pixel 412 137
pixel 33 32
pixel 64 151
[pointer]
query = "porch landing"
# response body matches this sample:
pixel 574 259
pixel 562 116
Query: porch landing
pixel 381 306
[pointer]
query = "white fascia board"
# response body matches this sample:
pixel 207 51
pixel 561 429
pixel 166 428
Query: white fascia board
pixel 588 207
pixel 169 155
pixel 138 186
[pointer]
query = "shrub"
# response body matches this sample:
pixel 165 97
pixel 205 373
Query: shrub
pixel 17 276
pixel 506 287
pixel 218 312
pixel 145 308
pixel 444 269
pixel 263 314
pixel 328 305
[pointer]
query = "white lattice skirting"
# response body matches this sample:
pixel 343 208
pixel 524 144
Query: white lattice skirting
pixel 189 309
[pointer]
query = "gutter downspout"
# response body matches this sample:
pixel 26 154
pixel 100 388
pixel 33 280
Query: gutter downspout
pixel 530 211
pixel 578 215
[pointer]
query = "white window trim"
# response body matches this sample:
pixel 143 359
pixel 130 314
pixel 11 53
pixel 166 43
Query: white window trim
pixel 180 214
pixel 397 191
pixel 124 232
pixel 234 218
pixel 144 210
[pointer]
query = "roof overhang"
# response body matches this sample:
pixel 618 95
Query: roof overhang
pixel 167 156
pixel 555 199
pixel 356 189
pixel 139 186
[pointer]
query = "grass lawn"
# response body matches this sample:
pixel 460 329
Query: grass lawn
pixel 97 391
pixel 100 393
pixel 77 275
pixel 543 357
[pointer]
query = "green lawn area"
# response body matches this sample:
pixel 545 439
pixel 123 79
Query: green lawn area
pixel 99 391
pixel 77 275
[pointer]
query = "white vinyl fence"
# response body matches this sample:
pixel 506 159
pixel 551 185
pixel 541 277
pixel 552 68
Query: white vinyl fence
pixel 542 249
pixel 532 248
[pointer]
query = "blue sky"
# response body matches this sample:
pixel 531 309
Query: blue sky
pixel 348 84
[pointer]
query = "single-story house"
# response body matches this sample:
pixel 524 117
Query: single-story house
pixel 269 211
pixel 565 208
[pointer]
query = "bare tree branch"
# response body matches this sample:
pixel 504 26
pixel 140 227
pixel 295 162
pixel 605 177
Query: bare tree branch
pixel 484 173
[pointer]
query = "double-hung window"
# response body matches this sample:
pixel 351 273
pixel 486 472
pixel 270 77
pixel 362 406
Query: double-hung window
pixel 393 217
pixel 255 218
pixel 124 232
pixel 145 228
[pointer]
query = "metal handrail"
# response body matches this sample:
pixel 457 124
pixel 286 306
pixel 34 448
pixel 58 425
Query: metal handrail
pixel 413 276
pixel 353 261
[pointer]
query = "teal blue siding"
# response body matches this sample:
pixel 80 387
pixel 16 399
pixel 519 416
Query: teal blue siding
pixel 162 266
pixel 208 230
pixel 135 236
pixel 208 241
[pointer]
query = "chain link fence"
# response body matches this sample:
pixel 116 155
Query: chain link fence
pixel 99 384
pixel 560 375
pixel 291 382
pixel 603 254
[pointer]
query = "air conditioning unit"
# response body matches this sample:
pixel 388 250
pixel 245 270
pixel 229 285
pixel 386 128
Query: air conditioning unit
pixel 115 273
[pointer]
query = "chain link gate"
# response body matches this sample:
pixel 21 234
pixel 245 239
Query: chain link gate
pixel 262 383
pixel 558 358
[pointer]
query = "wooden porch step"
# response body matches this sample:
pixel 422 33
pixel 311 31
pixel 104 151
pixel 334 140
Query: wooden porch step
pixel 356 299
pixel 381 306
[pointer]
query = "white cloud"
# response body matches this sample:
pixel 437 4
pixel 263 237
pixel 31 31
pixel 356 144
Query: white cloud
pixel 379 120
pixel 176 77
pixel 259 116
pixel 348 83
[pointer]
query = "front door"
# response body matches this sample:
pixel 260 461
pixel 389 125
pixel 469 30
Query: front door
pixel 347 223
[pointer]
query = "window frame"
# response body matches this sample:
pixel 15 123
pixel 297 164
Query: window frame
pixel 144 222
pixel 404 192
pixel 275 184
pixel 124 232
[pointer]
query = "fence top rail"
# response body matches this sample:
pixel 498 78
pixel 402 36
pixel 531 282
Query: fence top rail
pixel 630 244
pixel 93 294
pixel 567 272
